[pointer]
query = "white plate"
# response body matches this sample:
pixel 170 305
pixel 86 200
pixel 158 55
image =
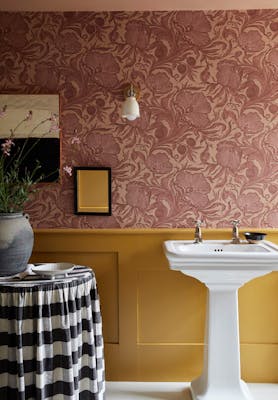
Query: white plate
pixel 53 269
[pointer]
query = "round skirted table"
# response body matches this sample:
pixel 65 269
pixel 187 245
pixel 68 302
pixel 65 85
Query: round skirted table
pixel 51 344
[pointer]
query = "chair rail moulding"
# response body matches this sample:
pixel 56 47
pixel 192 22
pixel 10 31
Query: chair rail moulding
pixel 141 299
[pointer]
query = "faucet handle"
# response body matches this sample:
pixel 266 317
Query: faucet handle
pixel 235 239
pixel 198 233
pixel 198 223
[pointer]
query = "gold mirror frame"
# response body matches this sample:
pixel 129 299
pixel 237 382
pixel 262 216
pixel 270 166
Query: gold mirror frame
pixel 92 190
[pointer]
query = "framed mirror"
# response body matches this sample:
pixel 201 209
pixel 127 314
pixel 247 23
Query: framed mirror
pixel 92 186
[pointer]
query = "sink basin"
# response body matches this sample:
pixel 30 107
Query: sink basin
pixel 221 254
pixel 223 267
pixel 216 247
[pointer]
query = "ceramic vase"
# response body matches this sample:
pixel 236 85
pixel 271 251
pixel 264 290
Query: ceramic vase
pixel 16 243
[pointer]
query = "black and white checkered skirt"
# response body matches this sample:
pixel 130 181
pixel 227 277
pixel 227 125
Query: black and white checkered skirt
pixel 51 344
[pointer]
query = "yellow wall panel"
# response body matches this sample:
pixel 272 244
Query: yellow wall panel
pixel 153 318
pixel 170 362
pixel 159 318
pixel 259 363
pixel 258 310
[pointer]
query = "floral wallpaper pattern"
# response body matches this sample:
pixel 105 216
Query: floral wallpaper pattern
pixel 206 144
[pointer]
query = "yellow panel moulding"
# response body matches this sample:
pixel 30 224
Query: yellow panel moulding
pixel 154 318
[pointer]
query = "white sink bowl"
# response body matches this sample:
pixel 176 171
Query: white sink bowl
pixel 184 255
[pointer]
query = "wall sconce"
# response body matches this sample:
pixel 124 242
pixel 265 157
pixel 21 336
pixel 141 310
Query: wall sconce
pixel 130 108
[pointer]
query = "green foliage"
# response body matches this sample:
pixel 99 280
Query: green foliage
pixel 15 191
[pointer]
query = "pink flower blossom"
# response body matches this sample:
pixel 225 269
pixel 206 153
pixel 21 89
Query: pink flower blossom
pixel 159 163
pixel 104 68
pixel 75 140
pixel 46 76
pixel 251 41
pixel 228 155
pixel 193 182
pixel 195 107
pixel 137 35
pixel 54 123
pixel 160 82
pixel 6 147
pixel 271 219
pixel 53 117
pixel 3 111
pixel 273 56
pixel 138 195
pixel 104 148
pixel 272 140
pixel 54 127
pixel 250 203
pixel 195 27
pixel 250 122
pixel 14 29
pixel 195 186
pixel 68 43
pixel 68 170
pixel 228 74
pixel 273 62
pixel 29 116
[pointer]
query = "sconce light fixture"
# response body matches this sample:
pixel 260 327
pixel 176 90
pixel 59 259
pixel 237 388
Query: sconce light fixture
pixel 130 108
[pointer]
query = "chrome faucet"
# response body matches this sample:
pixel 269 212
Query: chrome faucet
pixel 198 233
pixel 235 239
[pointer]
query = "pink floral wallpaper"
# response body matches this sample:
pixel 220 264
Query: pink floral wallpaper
pixel 206 145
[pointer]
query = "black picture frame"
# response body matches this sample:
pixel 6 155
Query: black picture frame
pixel 92 191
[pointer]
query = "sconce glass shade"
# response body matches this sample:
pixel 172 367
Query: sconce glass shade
pixel 130 108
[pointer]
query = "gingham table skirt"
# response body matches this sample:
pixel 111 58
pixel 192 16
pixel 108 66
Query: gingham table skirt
pixel 51 344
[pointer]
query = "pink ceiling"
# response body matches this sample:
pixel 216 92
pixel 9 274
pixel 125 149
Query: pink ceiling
pixel 128 5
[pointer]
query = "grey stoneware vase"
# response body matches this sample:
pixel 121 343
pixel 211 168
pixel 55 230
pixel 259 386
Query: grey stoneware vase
pixel 16 243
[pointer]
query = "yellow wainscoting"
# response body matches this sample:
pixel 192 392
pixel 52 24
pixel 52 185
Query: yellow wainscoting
pixel 154 318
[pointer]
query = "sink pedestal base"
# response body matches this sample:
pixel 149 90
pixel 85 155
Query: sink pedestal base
pixel 240 393
pixel 220 379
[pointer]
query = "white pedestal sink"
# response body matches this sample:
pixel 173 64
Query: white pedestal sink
pixel 223 267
